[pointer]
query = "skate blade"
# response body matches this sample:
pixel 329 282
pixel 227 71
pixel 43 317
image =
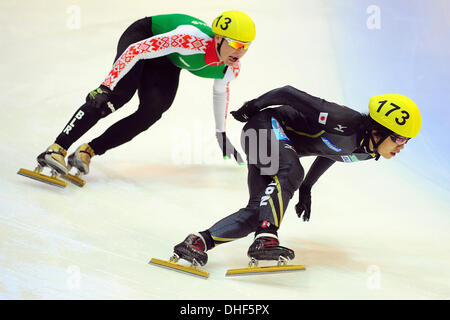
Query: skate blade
pixel 178 267
pixel 75 179
pixel 263 270
pixel 42 178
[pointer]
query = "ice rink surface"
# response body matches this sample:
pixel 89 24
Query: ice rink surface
pixel 377 229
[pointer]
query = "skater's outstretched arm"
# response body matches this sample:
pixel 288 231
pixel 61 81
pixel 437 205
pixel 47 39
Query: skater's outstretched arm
pixel 221 99
pixel 319 166
pixel 329 115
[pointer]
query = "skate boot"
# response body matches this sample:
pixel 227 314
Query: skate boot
pixel 267 247
pixel 53 158
pixel 81 159
pixel 192 249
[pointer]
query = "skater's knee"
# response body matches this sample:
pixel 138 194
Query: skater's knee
pixel 99 101
pixel 98 110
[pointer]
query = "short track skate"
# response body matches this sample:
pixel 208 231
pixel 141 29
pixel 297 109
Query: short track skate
pixel 75 179
pixel 52 179
pixel 253 268
pixel 173 264
pixel 81 166
pixel 37 174
pixel 266 247
pixel 56 166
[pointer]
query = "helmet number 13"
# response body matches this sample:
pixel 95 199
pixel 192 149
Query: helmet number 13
pixel 223 26
pixel 400 121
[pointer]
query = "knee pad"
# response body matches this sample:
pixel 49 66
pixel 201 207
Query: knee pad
pixel 97 110
pixel 102 109
pixel 106 109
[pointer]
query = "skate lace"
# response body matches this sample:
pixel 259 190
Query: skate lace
pixel 87 150
pixel 58 151
pixel 198 244
pixel 269 242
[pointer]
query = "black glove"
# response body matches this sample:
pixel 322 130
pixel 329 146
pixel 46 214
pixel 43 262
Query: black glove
pixel 99 98
pixel 227 147
pixel 244 113
pixel 303 207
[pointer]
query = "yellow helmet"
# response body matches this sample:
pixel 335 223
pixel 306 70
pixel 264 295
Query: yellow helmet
pixel 397 113
pixel 235 25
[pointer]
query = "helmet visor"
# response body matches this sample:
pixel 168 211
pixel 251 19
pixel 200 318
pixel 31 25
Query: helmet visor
pixel 398 139
pixel 237 44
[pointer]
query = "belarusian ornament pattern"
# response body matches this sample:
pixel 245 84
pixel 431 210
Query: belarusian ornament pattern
pixel 150 48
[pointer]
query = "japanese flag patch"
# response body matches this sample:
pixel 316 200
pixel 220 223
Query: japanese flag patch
pixel 323 117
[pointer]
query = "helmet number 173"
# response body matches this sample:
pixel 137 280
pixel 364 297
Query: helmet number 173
pixel 395 107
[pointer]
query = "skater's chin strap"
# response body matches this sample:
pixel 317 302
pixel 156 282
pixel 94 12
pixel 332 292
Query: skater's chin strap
pixel 219 46
pixel 366 144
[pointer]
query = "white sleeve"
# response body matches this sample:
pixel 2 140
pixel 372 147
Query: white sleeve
pixel 221 97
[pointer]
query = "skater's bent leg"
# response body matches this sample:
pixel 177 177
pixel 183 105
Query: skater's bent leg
pixel 233 227
pixel 89 114
pixel 244 221
pixel 123 131
pixel 275 158
pixel 82 120
pixel 156 89
pixel 280 190
pixel 127 86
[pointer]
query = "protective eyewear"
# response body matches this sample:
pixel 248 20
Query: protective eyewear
pixel 399 139
pixel 237 44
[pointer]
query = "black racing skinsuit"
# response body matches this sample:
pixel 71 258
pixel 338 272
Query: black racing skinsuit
pixel 303 125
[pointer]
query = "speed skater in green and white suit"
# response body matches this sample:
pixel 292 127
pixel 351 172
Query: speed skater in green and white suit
pixel 150 55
